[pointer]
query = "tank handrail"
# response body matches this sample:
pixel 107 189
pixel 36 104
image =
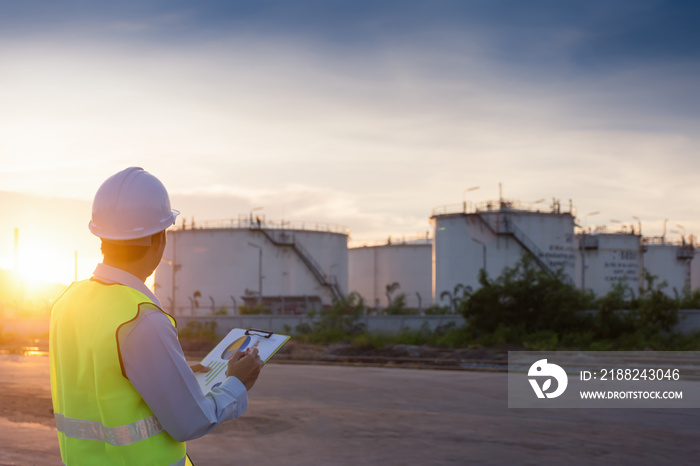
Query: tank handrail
pixel 661 240
pixel 467 207
pixel 621 230
pixel 412 240
pixel 245 222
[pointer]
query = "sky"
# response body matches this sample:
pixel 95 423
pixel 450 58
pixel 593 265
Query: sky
pixel 355 113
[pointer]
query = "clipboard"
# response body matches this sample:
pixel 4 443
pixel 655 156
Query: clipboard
pixel 238 339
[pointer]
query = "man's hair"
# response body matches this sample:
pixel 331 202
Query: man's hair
pixel 126 253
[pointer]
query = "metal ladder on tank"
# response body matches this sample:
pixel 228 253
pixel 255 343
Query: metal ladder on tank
pixel 288 240
pixel 509 228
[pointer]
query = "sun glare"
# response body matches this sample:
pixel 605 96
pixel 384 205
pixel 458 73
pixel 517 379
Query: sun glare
pixel 37 276
pixel 36 265
pixel 39 260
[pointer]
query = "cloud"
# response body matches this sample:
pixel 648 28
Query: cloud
pixel 370 131
pixel 296 205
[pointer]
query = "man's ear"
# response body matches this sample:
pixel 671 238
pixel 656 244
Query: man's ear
pixel 158 239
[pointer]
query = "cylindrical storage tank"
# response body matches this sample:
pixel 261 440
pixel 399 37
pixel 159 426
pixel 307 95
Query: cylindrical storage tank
pixel 695 271
pixel 669 263
pixel 457 255
pixel 374 268
pixel 495 236
pixel 219 269
pixel 605 259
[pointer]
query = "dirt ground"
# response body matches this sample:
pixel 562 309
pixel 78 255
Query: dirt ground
pixel 321 414
pixel 294 350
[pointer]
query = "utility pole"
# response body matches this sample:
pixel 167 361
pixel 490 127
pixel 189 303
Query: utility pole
pixel 175 267
pixel 18 279
pixel 16 269
pixel 260 270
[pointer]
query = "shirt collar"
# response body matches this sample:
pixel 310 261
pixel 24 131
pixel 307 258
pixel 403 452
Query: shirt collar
pixel 108 274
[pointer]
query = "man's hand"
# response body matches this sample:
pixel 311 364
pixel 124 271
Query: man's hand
pixel 245 367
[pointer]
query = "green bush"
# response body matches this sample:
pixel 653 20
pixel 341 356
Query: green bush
pixel 525 308
pixel 437 310
pixel 337 323
pixel 366 340
pixel 656 310
pixel 524 297
pixel 259 308
pixel 221 311
pixel 690 300
pixel 422 336
pixel 398 306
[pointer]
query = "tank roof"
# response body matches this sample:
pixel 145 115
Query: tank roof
pixel 249 223
pixel 415 240
pixel 599 232
pixel 661 241
pixel 505 205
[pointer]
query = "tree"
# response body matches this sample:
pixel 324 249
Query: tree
pixel 390 289
pixel 612 314
pixel 656 309
pixel 524 297
pixel 456 297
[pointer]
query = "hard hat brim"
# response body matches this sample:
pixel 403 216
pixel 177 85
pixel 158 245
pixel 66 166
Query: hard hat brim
pixel 138 237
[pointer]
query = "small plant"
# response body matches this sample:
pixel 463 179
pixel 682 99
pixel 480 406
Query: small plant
pixel 437 310
pixel 398 306
pixel 196 330
pixel 221 311
pixel 339 322
pixel 259 308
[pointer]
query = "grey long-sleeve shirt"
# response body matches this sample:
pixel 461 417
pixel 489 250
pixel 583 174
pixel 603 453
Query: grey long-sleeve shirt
pixel 156 366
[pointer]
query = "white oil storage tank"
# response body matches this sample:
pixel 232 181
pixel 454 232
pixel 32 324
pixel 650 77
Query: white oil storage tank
pixel 383 272
pixel 605 259
pixel 669 262
pixel 288 268
pixel 495 235
pixel 695 271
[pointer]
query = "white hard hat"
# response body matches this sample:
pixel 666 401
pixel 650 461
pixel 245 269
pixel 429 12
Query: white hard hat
pixel 130 205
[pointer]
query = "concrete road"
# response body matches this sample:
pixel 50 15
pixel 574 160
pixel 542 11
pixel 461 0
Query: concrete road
pixel 319 415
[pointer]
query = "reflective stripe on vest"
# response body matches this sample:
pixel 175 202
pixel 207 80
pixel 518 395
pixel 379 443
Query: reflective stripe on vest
pixel 180 462
pixel 120 435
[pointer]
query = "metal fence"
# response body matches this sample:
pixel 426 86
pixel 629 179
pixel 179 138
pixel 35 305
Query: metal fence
pixel 689 321
pixel 246 222
pixel 288 324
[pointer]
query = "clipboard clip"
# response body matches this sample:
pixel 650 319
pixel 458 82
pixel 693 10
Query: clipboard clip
pixel 260 333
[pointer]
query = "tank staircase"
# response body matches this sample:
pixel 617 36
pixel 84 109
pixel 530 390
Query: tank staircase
pixel 505 227
pixel 286 239
pixel 685 252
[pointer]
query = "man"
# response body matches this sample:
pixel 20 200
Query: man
pixel 123 393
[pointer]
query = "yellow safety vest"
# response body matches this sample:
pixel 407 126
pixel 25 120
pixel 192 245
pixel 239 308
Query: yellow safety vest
pixel 100 417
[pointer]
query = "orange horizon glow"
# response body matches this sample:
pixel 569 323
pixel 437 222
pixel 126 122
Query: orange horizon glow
pixel 40 252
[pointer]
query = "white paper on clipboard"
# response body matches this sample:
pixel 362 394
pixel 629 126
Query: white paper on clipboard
pixel 237 339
